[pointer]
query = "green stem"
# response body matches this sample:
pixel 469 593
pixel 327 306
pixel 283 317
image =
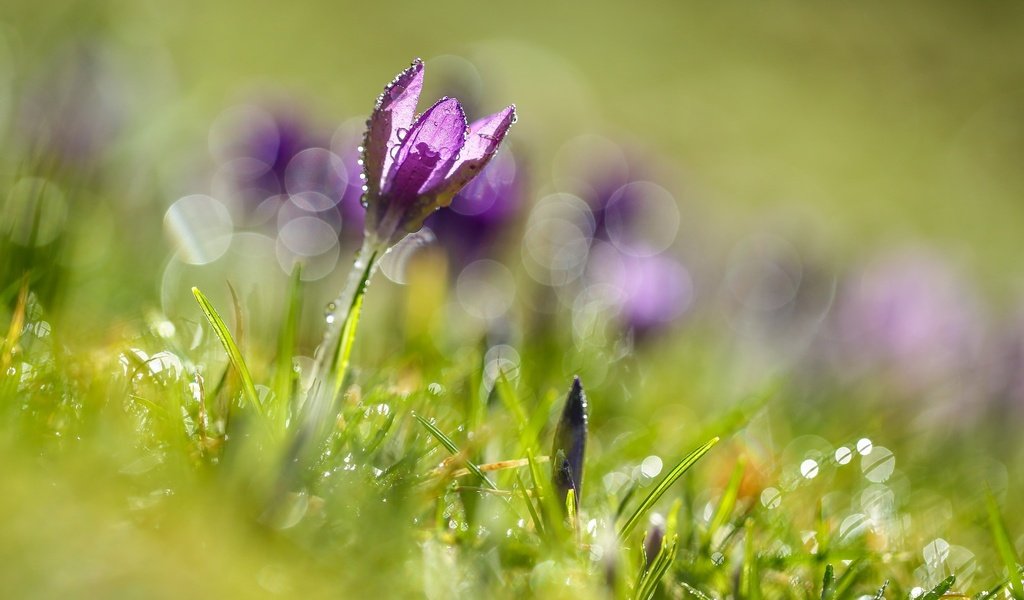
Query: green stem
pixel 331 358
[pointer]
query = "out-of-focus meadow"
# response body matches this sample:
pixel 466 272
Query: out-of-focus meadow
pixel 795 227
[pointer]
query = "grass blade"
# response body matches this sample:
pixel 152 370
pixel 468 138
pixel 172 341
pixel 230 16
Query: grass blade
pixel 651 577
pixel 234 355
pixel 1003 544
pixel 939 590
pixel 283 371
pixel 538 524
pixel 662 487
pixel 16 327
pixel 728 502
pixel 452 448
pixel 828 583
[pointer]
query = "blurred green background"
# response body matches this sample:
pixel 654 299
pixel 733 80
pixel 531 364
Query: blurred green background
pixel 873 122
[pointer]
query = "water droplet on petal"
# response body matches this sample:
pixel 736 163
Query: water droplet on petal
pixel 402 133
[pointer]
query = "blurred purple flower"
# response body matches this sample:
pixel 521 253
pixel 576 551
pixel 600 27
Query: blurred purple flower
pixel 414 165
pixel 481 212
pixel 73 109
pixel 647 292
pixel 273 158
pixel 911 316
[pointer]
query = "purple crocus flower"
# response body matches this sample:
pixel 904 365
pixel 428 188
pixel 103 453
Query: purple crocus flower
pixel 414 165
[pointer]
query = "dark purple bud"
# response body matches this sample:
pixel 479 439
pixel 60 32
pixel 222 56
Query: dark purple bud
pixel 570 445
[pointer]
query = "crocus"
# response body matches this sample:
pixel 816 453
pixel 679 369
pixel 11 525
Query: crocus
pixel 414 165
pixel 570 445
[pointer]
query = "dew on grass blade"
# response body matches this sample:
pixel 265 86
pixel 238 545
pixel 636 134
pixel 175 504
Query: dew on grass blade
pixel 843 455
pixel 935 552
pixel 864 446
pixel 499 360
pixel 809 468
pixel 651 467
pixel 771 498
pixel 878 465
pixel 853 527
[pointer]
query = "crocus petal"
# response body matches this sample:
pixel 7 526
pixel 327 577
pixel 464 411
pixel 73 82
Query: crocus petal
pixel 427 153
pixel 485 136
pixel 391 121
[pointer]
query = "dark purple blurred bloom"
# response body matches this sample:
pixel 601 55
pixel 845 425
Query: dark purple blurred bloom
pixel 414 165
pixel 648 292
pixel 273 157
pixel 570 445
pixel 481 212
pixel 911 316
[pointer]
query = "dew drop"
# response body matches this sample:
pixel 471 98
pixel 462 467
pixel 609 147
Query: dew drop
pixel 771 498
pixel 843 455
pixel 718 558
pixel 878 465
pixel 402 133
pixel 809 468
pixel 864 446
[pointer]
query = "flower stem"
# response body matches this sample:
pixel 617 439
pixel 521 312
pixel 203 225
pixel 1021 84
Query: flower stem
pixel 331 358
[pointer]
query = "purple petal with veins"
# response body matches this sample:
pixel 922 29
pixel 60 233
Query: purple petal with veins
pixel 427 153
pixel 484 137
pixel 391 121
